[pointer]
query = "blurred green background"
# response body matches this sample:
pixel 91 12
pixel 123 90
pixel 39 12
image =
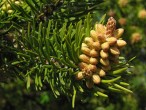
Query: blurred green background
pixel 130 15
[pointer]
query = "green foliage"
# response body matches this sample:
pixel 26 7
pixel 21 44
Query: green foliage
pixel 50 55
pixel 11 25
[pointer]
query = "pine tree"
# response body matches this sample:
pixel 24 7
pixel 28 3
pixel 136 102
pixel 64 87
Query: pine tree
pixel 52 45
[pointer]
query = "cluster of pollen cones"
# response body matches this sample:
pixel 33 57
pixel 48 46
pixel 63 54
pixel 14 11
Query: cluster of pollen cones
pixel 99 51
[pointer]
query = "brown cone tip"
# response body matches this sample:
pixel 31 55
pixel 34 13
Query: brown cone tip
pixel 110 26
